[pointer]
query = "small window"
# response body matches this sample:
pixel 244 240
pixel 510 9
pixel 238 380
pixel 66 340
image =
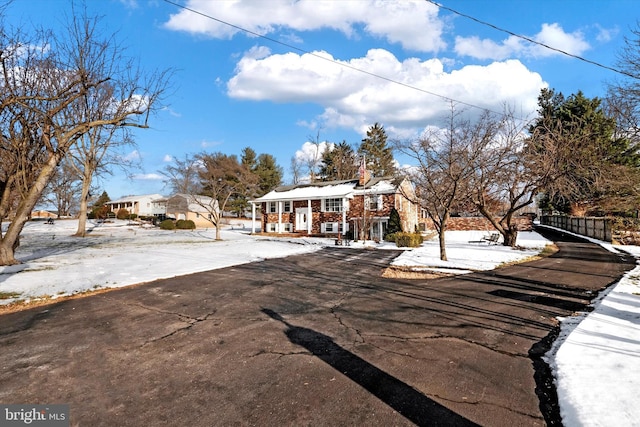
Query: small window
pixel 272 207
pixel 286 206
pixel 333 205
pixel 328 227
pixel 374 202
pixel 287 227
pixel 271 227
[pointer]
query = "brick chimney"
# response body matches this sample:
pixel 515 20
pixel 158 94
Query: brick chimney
pixel 363 174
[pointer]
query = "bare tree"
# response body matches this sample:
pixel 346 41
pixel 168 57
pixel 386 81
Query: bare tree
pixel 183 175
pixel 223 176
pixel 63 190
pixel 42 83
pixel 505 179
pixel 295 170
pixel 446 161
pixel 98 149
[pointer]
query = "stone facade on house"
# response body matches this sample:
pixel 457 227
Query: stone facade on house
pixel 473 223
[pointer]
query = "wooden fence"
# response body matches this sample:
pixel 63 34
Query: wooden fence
pixel 594 227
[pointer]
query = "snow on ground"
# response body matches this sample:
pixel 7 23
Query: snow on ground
pixel 116 254
pixel 464 257
pixel 594 359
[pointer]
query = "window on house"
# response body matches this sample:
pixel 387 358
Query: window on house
pixel 287 227
pixel 272 207
pixel 374 202
pixel 333 205
pixel 286 206
pixel 271 227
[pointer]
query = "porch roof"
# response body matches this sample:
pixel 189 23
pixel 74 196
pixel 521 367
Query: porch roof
pixel 335 189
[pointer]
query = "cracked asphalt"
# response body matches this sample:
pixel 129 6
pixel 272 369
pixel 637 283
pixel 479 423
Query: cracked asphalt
pixel 317 339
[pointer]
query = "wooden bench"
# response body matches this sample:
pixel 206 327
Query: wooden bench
pixel 491 239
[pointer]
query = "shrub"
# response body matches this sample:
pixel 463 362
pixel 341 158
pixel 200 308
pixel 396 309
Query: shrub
pixel 168 224
pixel 408 240
pixel 99 212
pixel 185 224
pixel 122 214
pixel 390 237
pixel 133 216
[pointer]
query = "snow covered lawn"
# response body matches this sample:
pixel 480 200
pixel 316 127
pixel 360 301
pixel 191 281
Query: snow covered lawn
pixel 594 360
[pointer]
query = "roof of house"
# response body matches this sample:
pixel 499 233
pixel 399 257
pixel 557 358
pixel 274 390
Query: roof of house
pixel 331 189
pixel 194 203
pixel 127 199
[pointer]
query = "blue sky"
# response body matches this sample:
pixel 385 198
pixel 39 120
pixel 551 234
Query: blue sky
pixel 232 89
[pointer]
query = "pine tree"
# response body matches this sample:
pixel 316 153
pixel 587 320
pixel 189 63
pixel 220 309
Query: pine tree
pixel 379 157
pixel 339 162
pixel 575 139
pixel 102 200
pixel 269 173
pixel 394 225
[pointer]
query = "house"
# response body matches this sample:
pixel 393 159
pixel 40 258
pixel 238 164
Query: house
pixel 331 207
pixel 198 209
pixel 145 205
pixel 42 214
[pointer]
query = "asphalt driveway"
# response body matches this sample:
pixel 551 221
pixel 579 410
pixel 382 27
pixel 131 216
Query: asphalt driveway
pixel 316 339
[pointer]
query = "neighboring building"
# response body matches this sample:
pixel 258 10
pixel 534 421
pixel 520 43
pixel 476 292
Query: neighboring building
pixel 196 208
pixel 43 214
pixel 145 205
pixel 332 207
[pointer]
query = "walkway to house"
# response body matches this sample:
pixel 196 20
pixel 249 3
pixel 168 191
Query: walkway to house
pixel 318 339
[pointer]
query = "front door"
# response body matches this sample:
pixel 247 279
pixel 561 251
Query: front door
pixel 302 216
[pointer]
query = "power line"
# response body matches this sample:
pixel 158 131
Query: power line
pixel 530 40
pixel 342 64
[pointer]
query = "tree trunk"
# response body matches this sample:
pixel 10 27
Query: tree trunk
pixel 7 251
pixel 443 250
pixel 218 232
pixel 510 235
pixel 10 240
pixel 441 226
pixel 82 215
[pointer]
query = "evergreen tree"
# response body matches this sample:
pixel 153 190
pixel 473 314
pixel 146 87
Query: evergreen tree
pixel 249 158
pixel 394 225
pixel 102 200
pixel 269 173
pixel 592 167
pixel 339 162
pixel 379 157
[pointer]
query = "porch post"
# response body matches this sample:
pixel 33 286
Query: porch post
pixel 344 215
pixel 279 217
pixel 309 216
pixel 253 217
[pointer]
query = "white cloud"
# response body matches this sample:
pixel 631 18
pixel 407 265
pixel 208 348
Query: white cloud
pixel 208 144
pixel 168 158
pixel 311 153
pixel 355 100
pixel 552 35
pixel 414 25
pixel 148 177
pixel 133 156
pixel 605 35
